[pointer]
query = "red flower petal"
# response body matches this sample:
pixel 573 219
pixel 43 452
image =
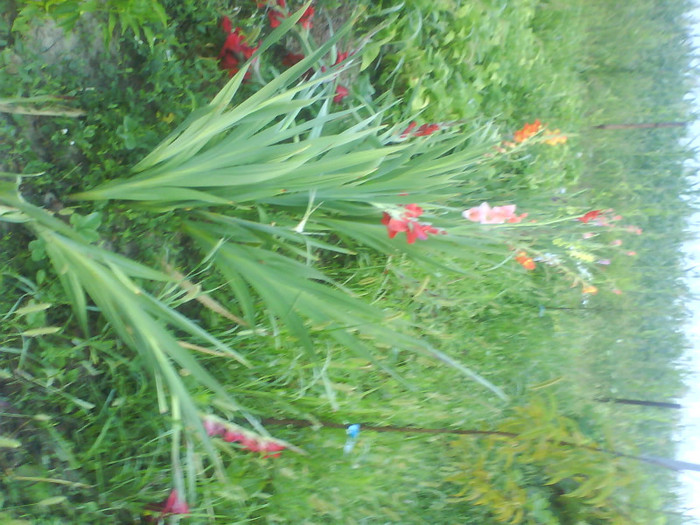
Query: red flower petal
pixel 275 18
pixel 340 58
pixel 228 61
pixel 408 130
pixel 397 225
pixel 292 58
pixel 426 129
pixel 248 51
pixel 413 210
pixel 271 446
pixel 411 233
pixel 305 19
pixel 594 214
pixel 174 505
pixel 226 24
pixel 233 437
pixel 340 93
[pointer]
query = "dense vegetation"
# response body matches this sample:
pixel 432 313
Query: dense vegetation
pixel 230 229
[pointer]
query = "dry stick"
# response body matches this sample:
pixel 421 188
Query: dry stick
pixel 670 464
pixel 205 299
pixel 644 125
pixel 639 402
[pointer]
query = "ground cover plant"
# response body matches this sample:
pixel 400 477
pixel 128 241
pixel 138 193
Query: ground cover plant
pixel 230 230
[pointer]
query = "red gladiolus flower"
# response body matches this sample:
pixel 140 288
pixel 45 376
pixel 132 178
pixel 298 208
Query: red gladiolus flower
pixel 407 131
pixel 413 210
pixel 233 437
pixel 426 129
pixel 231 433
pixel 272 447
pixel 340 58
pixel 305 19
pixel 589 216
pixel 226 24
pixel 406 223
pixel 250 444
pixel 423 131
pixel 233 49
pixel 275 18
pixel 416 230
pixel 394 226
pixel 229 62
pixel 174 505
pixel 340 93
pixel 292 58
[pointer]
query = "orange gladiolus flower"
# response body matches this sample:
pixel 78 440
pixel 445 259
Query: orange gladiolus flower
pixel 589 288
pixel 525 261
pixel 527 131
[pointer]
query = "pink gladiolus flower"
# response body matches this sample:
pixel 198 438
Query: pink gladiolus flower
pixel 631 253
pixel 588 235
pixel 485 214
pixel 605 262
pixel 616 242
pixel 213 428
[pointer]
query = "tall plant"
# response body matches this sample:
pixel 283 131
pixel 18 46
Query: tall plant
pixel 265 188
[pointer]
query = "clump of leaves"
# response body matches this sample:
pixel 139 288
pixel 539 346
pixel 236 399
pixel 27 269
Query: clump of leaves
pixel 538 465
pixel 136 16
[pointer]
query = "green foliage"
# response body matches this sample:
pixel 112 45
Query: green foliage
pixel 538 467
pixel 137 16
pixel 295 303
